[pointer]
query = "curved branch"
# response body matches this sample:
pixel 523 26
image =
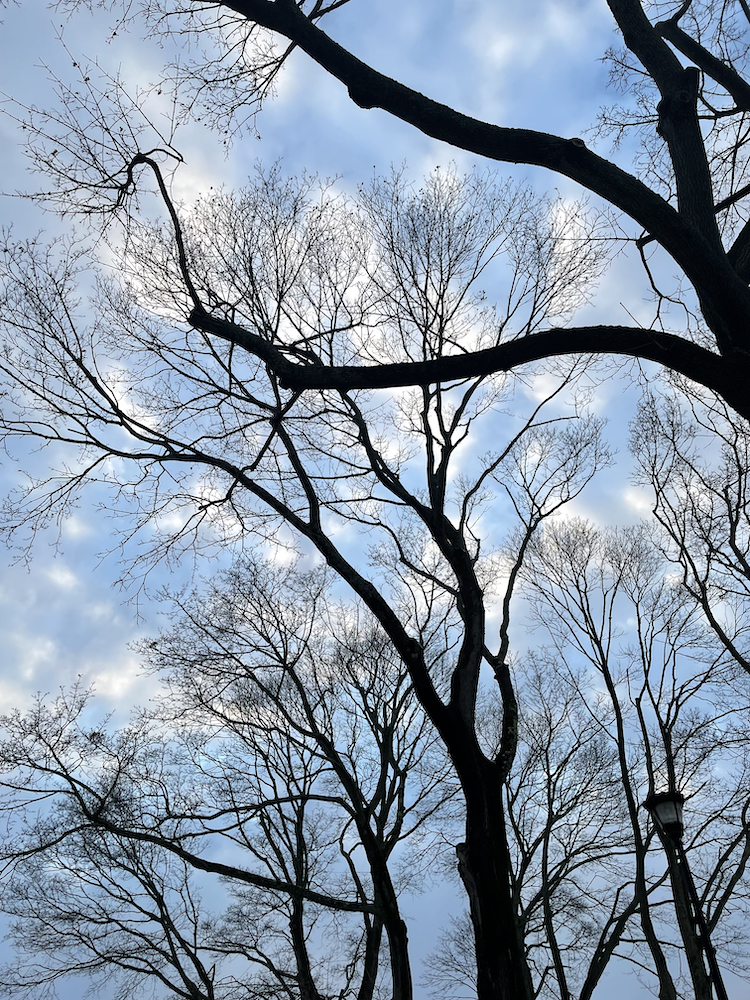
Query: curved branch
pixel 726 376
pixel 143 158
pixel 229 871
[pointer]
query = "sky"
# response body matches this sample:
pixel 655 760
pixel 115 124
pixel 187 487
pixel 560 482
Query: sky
pixel 535 65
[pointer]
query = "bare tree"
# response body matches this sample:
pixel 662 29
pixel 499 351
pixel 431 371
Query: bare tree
pixel 290 745
pixel 290 757
pixel 189 427
pixel 287 762
pixel 684 73
pixel 258 638
pixel 694 458
pixel 664 713
pixel 189 394
pixel 110 911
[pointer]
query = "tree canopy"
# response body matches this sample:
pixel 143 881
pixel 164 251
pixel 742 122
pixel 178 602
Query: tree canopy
pixel 391 385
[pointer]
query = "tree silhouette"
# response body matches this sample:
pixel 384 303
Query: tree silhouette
pixel 688 66
pixel 224 384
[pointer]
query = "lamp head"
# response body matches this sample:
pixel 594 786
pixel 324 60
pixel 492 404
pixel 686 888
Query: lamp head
pixel 665 809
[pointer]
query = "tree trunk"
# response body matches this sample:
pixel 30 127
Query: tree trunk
pixel 485 866
pixel 371 960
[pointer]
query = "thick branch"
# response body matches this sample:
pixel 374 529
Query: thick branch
pixel 678 115
pixel 370 89
pixel 723 74
pixel 739 253
pixel 229 871
pixel 726 376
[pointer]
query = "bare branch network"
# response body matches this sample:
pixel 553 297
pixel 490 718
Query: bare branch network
pixel 379 402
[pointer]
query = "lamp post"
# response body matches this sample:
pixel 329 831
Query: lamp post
pixel 665 808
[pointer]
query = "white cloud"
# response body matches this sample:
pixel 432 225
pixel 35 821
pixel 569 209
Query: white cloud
pixel 639 501
pixel 62 576
pixel 77 527
pixel 121 682
pixel 521 58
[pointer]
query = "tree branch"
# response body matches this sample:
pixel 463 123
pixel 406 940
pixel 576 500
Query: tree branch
pixel 727 376
pixel 728 78
pixel 370 89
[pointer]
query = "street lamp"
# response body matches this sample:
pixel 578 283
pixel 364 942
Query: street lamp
pixel 665 809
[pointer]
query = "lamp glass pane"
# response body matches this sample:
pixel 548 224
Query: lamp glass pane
pixel 668 812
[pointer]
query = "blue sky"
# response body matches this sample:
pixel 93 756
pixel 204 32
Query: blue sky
pixel 535 65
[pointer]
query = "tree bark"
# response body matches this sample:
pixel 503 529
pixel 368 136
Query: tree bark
pixel 485 867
